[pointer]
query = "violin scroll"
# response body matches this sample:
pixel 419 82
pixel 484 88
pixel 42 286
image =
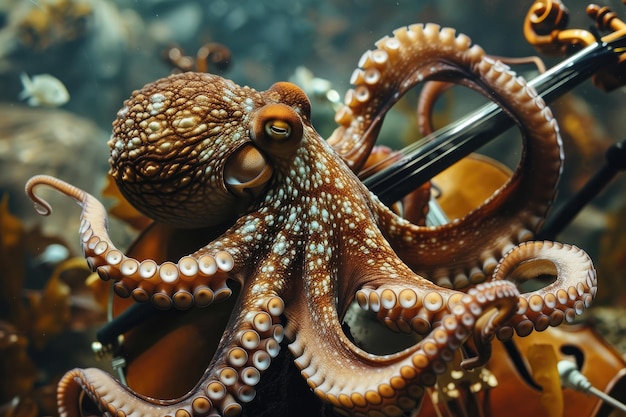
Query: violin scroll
pixel 545 27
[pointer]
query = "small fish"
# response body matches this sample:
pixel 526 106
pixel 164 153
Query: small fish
pixel 43 90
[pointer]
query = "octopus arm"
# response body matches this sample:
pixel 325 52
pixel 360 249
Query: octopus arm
pixel 246 350
pixel 557 283
pixel 196 279
pixel 354 380
pixel 462 252
pixel 570 291
pixel 105 393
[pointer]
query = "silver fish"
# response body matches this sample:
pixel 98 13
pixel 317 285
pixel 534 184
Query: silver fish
pixel 43 90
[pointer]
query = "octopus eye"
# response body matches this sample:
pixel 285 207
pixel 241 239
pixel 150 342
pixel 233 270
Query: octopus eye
pixel 278 129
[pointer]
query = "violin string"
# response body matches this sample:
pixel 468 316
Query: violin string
pixel 432 394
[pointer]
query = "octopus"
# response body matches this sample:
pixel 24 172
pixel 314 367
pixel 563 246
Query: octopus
pixel 304 238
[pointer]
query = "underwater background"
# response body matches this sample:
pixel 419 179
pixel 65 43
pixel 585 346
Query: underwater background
pixel 102 50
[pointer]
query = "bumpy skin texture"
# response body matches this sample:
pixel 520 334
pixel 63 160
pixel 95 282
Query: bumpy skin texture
pixel 306 237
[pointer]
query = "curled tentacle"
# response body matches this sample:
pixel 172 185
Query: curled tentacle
pixel 515 211
pixel 414 54
pixel 247 350
pixel 192 280
pixel 571 292
pixel 404 309
pixel 356 381
pixel 432 90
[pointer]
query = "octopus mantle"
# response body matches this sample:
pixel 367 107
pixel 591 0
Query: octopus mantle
pixel 304 238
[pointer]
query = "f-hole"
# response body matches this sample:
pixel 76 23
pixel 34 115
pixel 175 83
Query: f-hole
pixel 574 352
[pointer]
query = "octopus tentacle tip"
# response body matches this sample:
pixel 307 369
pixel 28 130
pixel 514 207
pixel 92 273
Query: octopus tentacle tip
pixel 42 206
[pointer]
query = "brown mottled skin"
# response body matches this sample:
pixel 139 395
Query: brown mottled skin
pixel 306 237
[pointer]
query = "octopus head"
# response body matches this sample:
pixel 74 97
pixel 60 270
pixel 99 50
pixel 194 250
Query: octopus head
pixel 190 150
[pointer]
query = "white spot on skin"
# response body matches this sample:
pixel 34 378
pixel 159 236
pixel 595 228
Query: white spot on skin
pixel 280 248
pixel 184 123
pixel 157 98
pixel 154 126
pixel 248 105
